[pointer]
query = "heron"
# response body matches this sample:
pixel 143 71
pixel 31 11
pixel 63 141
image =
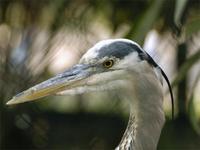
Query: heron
pixel 115 64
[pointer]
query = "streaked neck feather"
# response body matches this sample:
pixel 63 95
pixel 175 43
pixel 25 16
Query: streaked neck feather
pixel 146 117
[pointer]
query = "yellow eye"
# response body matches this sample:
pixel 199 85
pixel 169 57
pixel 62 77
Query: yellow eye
pixel 108 63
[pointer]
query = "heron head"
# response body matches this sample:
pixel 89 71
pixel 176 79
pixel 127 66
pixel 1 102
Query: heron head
pixel 104 66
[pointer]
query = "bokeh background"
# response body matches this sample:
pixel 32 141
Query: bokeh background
pixel 41 38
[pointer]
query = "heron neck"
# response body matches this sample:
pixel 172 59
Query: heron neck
pixel 146 117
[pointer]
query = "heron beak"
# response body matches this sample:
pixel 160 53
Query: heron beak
pixel 71 78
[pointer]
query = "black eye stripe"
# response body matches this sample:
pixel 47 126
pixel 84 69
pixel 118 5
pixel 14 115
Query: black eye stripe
pixel 115 49
pixel 122 49
pixel 144 55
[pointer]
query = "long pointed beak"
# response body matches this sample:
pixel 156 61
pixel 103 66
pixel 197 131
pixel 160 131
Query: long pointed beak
pixel 71 78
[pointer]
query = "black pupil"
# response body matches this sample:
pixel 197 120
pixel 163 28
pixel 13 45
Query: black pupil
pixel 108 63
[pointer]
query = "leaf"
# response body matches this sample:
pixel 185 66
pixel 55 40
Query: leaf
pixel 193 116
pixel 180 5
pixel 192 27
pixel 146 21
pixel 186 67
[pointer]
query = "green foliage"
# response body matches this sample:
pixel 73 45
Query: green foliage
pixel 189 63
pixel 146 21
pixel 83 22
pixel 179 10
pixel 192 27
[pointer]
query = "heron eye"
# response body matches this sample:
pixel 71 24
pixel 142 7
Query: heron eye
pixel 108 63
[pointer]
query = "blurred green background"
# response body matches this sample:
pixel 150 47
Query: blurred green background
pixel 39 39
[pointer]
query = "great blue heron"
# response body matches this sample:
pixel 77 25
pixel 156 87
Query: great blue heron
pixel 115 64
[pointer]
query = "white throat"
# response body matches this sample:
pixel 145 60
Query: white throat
pixel 147 115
